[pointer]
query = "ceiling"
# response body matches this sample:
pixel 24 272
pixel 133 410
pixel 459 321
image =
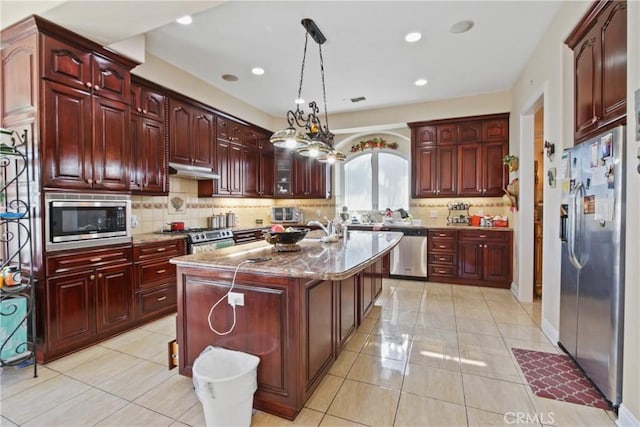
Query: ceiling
pixel 365 54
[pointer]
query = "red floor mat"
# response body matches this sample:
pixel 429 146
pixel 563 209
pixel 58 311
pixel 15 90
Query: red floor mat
pixel 556 376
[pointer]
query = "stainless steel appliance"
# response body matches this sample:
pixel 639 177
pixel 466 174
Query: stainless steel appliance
pixel 283 214
pixel 409 257
pixel 82 220
pixel 592 230
pixel 201 240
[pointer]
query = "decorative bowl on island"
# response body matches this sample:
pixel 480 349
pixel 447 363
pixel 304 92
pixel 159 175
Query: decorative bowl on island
pixel 286 240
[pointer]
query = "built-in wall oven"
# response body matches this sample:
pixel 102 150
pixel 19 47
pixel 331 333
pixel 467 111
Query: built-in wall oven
pixel 82 220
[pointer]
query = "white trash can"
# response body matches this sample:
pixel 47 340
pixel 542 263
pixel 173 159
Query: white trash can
pixel 224 381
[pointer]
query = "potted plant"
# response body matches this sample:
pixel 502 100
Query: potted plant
pixel 513 162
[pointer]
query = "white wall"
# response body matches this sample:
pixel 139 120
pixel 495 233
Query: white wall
pixel 549 74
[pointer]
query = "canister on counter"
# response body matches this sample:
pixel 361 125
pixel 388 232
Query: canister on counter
pixel 11 276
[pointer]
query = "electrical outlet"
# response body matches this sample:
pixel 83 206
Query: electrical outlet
pixel 236 298
pixel 134 221
pixel 319 213
pixel 434 214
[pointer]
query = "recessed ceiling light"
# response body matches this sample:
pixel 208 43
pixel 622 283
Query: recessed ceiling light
pixel 257 71
pixel 185 20
pixel 229 78
pixel 461 27
pixel 413 37
pixel 420 82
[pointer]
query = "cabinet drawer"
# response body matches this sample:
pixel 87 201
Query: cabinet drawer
pixel 442 259
pixel 88 259
pixel 166 249
pixel 155 300
pixel 484 235
pixel 441 271
pixel 450 234
pixel 442 245
pixel 154 274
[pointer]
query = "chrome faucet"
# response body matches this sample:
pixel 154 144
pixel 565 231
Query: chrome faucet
pixel 327 231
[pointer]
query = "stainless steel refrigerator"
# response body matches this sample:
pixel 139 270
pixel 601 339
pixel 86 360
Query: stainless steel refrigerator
pixel 592 230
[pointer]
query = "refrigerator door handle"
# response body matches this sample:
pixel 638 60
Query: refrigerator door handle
pixel 573 224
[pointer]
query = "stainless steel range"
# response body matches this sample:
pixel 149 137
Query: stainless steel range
pixel 201 240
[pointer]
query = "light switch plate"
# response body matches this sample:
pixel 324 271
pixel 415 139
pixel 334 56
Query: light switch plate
pixel 434 214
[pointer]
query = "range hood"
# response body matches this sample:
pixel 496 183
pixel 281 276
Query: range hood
pixel 191 172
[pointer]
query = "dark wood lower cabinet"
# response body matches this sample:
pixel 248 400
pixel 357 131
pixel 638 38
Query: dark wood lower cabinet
pixel 114 305
pixel 296 326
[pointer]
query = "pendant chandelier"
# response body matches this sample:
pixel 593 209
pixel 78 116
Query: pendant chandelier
pixel 306 133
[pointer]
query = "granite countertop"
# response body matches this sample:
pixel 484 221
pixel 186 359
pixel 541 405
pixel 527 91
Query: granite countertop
pixel 422 227
pixel 139 239
pixel 316 260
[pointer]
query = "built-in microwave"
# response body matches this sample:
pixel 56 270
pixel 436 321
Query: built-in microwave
pixel 280 214
pixel 79 221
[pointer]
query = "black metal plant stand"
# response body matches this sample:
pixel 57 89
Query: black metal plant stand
pixel 17 294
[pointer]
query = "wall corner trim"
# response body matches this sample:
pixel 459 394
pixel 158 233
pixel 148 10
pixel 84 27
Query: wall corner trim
pixel 626 418
pixel 550 332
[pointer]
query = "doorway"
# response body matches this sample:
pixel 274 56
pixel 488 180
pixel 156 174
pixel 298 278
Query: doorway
pixel 538 200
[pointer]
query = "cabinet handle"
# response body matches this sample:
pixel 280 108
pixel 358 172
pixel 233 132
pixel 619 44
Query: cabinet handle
pixel 442 235
pixel 92 277
pixel 162 298
pixel 96 87
pixel 442 259
pixel 100 275
pixel 96 259
pixel 98 182
pixel 483 236
pixel 479 246
pixel 139 110
pixel 161 249
pixel 479 190
pixel 594 119
pixel 441 246
pixel 89 181
pixel 161 271
pixel 441 271
pixel 88 84
pixel 144 111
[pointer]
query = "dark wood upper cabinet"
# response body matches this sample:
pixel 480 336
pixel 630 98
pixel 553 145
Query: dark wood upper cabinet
pixel 424 135
pixel 447 134
pixel 466 159
pixel 470 132
pixel 192 134
pixel 111 145
pixel 299 177
pixel 149 139
pixel 599 44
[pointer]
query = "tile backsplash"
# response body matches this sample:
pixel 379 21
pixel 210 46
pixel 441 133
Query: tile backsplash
pixel 153 213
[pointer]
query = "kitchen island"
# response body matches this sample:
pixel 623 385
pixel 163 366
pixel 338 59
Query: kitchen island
pixel 300 308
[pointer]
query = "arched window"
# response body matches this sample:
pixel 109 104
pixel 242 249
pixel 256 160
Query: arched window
pixel 376 180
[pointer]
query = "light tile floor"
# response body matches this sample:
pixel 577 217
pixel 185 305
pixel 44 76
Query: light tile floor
pixel 428 354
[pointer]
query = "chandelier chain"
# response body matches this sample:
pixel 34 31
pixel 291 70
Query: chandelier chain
pixel 304 58
pixel 324 92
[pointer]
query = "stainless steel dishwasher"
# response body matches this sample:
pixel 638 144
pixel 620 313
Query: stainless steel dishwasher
pixel 409 258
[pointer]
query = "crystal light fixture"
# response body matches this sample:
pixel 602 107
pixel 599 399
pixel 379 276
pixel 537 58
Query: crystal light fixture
pixel 306 133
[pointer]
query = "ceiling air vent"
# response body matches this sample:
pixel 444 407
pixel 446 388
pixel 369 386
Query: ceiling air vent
pixel 358 99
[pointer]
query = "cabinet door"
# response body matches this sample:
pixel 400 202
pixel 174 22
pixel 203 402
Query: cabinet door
pixel 470 165
pixel 301 176
pixel 317 179
pixel 424 135
pixel 67 161
pixel 70 301
pixel 365 292
pixel 496 262
pixel 111 149
pixel 613 83
pixel 587 88
pixel 470 259
pixel 265 176
pixel 447 171
pixel 494 173
pixel 204 137
pixel 470 132
pixel 136 159
pixel 347 305
pixel 223 154
pixel 251 170
pixel 152 162
pixel 424 172
pixel 495 130
pixel 180 132
pixel 235 169
pixel 447 134
pixel 66 64
pixel 110 80
pixel 114 302
pixel 152 104
pixel 283 163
